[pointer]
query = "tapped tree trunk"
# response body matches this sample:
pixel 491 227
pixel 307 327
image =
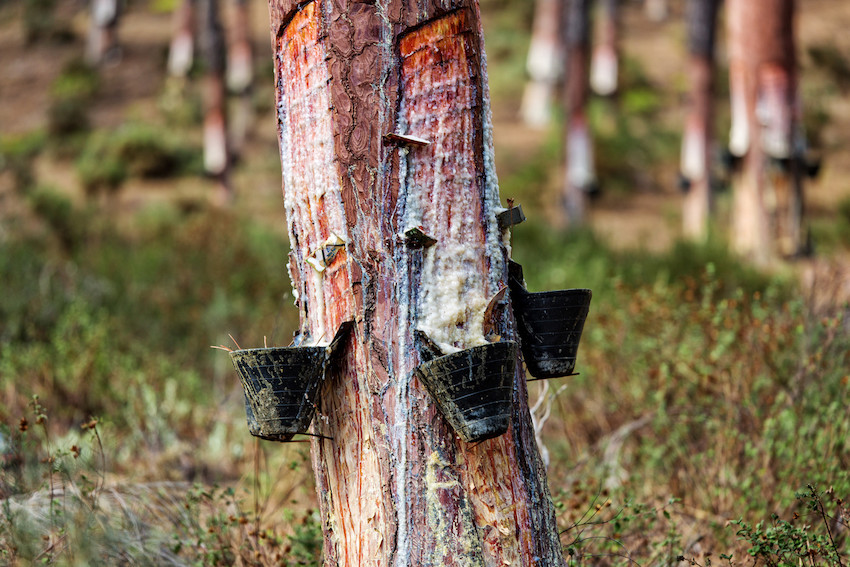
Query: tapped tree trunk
pixel 606 54
pixel 384 126
pixel 103 26
pixel 544 63
pixel 240 73
pixel 580 178
pixel 216 150
pixel 181 51
pixel 698 138
pixel 762 81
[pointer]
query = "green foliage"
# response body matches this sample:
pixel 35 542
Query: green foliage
pixel 71 96
pixel 133 150
pixel 17 154
pixel 789 543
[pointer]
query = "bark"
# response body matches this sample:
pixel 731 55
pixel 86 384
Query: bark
pixel 181 51
pixel 763 90
pixel 580 171
pixel 544 64
pixel 216 150
pixel 606 54
pixel 396 486
pixel 103 26
pixel 698 138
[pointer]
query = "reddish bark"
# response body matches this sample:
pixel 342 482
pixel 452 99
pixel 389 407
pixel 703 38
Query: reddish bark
pixel 698 137
pixel 763 90
pixel 396 486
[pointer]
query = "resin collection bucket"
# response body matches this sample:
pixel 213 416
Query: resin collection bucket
pixel 282 385
pixel 281 388
pixel 473 388
pixel 550 325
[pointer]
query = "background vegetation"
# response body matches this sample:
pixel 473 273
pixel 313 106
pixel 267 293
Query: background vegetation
pixel 709 424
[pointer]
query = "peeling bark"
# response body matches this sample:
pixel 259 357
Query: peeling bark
pixel 396 486
pixel 698 136
pixel 763 90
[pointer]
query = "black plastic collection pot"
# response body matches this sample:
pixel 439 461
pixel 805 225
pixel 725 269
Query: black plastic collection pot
pixel 473 388
pixel 282 386
pixel 550 324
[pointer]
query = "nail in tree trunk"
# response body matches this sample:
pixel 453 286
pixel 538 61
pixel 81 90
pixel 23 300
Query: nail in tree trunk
pixel 355 80
pixel 698 139
pixel 181 51
pixel 763 91
pixel 606 54
pixel 103 25
pixel 216 151
pixel 580 171
pixel 544 63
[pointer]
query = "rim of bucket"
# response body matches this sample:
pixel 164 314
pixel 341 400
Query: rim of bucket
pixel 584 294
pixel 507 345
pixel 270 350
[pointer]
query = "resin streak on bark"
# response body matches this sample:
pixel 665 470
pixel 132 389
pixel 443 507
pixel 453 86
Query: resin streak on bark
pixel 395 485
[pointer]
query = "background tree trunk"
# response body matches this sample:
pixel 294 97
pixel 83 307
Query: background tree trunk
pixel 698 139
pixel 545 63
pixel 240 73
pixel 396 486
pixel 762 70
pixel 580 171
pixel 216 150
pixel 181 51
pixel 606 53
pixel 103 26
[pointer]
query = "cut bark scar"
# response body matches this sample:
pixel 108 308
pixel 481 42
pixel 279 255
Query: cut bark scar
pixel 407 139
pixel 510 217
pixel 493 313
pixel 324 256
pixel 415 237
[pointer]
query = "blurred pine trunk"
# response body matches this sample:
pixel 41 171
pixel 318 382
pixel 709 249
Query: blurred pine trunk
pixel 763 86
pixel 698 136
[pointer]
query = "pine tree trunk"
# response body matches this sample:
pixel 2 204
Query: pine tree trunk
pixel 102 41
pixel 580 171
pixel 396 486
pixel 240 74
pixel 762 74
pixel 181 51
pixel 216 149
pixel 544 63
pixel 698 138
pixel 606 54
